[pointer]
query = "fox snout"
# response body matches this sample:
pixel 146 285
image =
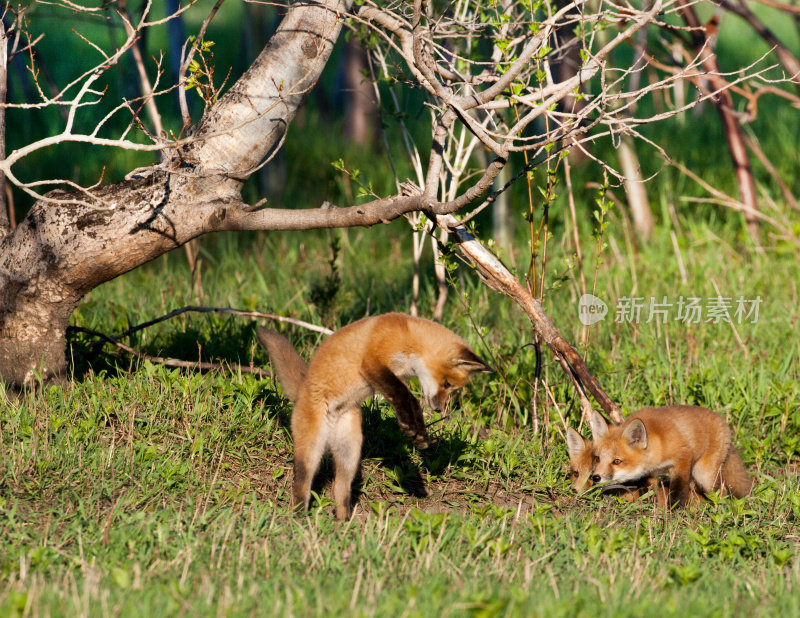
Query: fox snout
pixel 438 402
pixel 603 476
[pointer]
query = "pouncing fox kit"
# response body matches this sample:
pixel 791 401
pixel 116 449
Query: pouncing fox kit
pixel 376 354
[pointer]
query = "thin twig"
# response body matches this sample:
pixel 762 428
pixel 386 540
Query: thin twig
pixel 187 119
pixel 144 80
pixel 172 362
pixel 789 198
pixel 250 314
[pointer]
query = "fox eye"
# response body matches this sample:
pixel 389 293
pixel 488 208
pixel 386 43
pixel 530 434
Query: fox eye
pixel 596 459
pixel 616 462
pixel 573 473
pixel 446 384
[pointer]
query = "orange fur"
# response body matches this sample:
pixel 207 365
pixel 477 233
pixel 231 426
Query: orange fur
pixel 288 364
pixel 689 443
pixel 376 354
pixel 581 460
pixel 581 467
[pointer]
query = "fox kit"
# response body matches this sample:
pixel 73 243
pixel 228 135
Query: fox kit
pixel 581 466
pixel 376 354
pixel 688 442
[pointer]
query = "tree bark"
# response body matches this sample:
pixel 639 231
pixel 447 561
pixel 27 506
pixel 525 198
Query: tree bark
pixel 360 106
pixel 498 277
pixel 71 242
pixel 635 190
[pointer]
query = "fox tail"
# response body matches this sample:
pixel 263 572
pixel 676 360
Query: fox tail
pixel 735 475
pixel 286 362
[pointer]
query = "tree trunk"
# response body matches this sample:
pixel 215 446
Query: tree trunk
pixel 634 187
pixel 360 108
pixel 71 242
pixel 723 101
pixel 175 41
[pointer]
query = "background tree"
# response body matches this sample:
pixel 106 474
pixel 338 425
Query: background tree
pixel 486 77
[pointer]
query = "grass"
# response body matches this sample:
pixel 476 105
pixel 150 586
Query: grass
pixel 144 490
pixel 138 490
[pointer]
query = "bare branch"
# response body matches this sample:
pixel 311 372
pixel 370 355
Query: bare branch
pixel 173 362
pixel 240 312
pixel 499 278
pixel 147 88
pixel 786 57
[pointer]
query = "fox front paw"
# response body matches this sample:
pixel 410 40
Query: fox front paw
pixel 421 440
pixel 419 436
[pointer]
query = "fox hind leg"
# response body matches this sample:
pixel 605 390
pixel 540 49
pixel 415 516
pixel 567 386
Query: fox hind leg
pixel 707 473
pixel 308 433
pixel 345 443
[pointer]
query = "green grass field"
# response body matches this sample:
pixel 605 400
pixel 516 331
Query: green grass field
pixel 134 489
pixel 137 489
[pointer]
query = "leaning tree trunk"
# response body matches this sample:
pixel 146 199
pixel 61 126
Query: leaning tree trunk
pixel 72 242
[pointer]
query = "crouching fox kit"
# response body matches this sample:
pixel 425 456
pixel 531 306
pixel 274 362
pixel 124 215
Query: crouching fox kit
pixel 376 354
pixel 581 466
pixel 689 443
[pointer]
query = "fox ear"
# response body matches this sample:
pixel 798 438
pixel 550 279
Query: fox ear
pixel 599 425
pixel 636 434
pixel 467 360
pixel 576 443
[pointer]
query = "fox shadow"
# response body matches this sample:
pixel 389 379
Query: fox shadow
pixel 386 445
